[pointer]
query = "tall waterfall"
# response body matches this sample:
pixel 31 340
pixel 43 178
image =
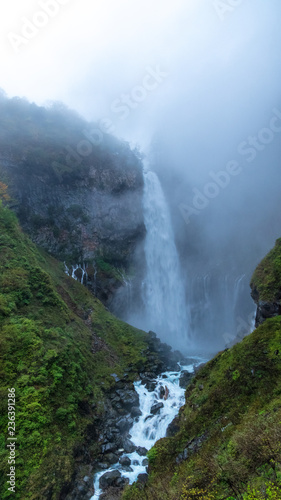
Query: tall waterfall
pixel 163 289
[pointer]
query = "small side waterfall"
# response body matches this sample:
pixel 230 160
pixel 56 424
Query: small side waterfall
pixel 163 289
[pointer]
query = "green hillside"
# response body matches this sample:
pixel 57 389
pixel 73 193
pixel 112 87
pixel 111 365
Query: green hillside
pixel 59 347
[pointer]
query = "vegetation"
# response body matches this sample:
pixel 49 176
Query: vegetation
pixel 59 348
pixel 44 141
pixel 266 279
pixel 229 443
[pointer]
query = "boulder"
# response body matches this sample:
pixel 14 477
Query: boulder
pixel 111 458
pixel 185 378
pixel 109 479
pixel 108 447
pixel 125 461
pixel 155 409
pixel 141 451
pixel 135 411
pixel 124 424
pixel 143 478
pixel 128 446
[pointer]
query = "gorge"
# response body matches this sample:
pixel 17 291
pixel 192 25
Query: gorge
pixel 100 243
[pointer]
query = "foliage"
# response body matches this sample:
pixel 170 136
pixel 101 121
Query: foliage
pixel 49 326
pixel 266 279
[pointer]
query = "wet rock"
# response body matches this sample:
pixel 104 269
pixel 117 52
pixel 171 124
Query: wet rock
pixel 109 479
pixel 108 447
pixel 122 482
pixel 161 392
pixel 143 478
pixel 103 466
pixel 155 409
pixel 185 379
pixel 124 424
pixel 135 462
pixel 125 461
pixel 141 451
pixel 145 462
pixel 128 397
pixel 136 412
pixel 111 458
pixel 150 385
pixel 173 427
pixel 128 446
pixel 127 468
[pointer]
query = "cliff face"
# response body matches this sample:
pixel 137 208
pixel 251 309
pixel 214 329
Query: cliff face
pixel 81 209
pixel 266 285
pixel 79 220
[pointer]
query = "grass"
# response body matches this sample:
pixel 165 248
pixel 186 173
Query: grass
pixel 266 280
pixel 59 348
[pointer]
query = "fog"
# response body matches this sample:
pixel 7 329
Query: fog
pixel 194 83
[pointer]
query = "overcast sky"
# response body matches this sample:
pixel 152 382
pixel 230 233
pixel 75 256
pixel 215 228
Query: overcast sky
pixel 91 53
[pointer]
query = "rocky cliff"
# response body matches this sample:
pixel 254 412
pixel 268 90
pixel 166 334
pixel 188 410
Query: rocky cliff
pixel 266 285
pixel 81 206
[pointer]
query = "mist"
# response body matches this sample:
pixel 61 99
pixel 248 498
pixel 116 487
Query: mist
pixel 196 86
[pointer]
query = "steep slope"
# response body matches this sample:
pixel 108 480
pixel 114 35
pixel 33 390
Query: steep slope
pixel 225 443
pixel 76 190
pixel 62 352
pixel 266 285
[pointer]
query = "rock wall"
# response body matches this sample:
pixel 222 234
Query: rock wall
pixel 94 218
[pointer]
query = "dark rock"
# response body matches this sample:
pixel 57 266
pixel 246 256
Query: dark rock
pixel 173 427
pixel 128 397
pixel 124 424
pixel 127 468
pixel 109 479
pixel 122 482
pixel 267 310
pixel 103 466
pixel 108 447
pixel 161 392
pixel 143 478
pixel 125 461
pixel 191 447
pixel 135 462
pixel 136 412
pixel 141 451
pixel 145 462
pixel 149 384
pixel 155 409
pixel 111 458
pixel 185 379
pixel 128 446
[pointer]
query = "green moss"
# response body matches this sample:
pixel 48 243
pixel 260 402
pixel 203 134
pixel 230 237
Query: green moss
pixel 266 279
pixel 58 348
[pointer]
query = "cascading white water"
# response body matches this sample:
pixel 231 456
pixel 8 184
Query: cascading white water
pixel 163 288
pixel 148 428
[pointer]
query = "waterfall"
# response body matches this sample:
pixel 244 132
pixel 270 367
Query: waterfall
pixel 163 289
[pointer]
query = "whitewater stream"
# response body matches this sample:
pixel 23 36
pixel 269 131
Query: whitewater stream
pixel 148 428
